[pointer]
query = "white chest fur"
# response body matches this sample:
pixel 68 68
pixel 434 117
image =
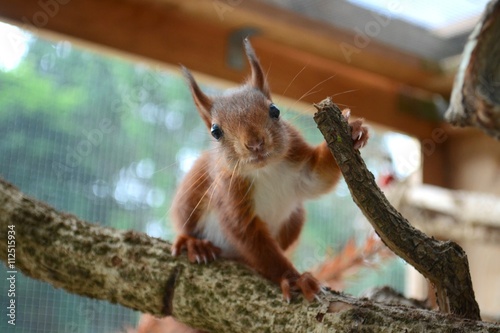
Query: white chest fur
pixel 275 194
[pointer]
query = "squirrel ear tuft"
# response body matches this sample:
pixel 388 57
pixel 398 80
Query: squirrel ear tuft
pixel 258 79
pixel 203 102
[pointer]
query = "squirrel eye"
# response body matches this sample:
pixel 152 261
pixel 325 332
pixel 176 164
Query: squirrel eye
pixel 216 132
pixel 274 112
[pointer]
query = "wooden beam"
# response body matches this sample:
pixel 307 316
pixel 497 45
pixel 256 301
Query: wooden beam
pixel 464 208
pixel 353 48
pixel 302 57
pixel 165 31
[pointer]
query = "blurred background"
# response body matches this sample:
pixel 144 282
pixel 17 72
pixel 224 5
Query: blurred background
pixel 96 120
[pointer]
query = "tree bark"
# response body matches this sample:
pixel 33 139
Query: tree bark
pixel 443 263
pixel 138 272
pixel 475 99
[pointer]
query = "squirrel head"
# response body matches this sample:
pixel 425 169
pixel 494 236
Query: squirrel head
pixel 246 124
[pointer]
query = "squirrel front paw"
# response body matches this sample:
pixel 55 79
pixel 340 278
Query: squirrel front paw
pixel 305 283
pixel 359 133
pixel 198 250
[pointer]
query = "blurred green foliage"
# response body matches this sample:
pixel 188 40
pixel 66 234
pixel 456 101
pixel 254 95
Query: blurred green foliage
pixel 108 140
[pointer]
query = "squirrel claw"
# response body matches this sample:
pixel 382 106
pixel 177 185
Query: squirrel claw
pixel 346 113
pixel 198 250
pixel 323 289
pixel 285 289
pixel 359 133
pixel 304 283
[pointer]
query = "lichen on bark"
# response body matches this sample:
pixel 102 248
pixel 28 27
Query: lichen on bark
pixel 137 271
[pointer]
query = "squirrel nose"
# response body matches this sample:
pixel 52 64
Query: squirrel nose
pixel 255 145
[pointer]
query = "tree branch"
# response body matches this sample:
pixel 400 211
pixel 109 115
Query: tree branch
pixel 137 271
pixel 443 263
pixel 475 100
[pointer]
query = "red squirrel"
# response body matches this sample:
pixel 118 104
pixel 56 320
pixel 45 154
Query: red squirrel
pixel 243 199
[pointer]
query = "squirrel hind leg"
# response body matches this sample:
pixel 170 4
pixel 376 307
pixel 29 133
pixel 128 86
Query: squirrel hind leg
pixel 198 250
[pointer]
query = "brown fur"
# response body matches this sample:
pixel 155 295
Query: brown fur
pixel 225 181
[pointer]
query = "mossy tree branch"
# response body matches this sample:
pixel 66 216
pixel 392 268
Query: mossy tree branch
pixel 443 263
pixel 137 271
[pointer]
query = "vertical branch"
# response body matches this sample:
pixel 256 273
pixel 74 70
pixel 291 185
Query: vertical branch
pixel 443 263
pixel 475 100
